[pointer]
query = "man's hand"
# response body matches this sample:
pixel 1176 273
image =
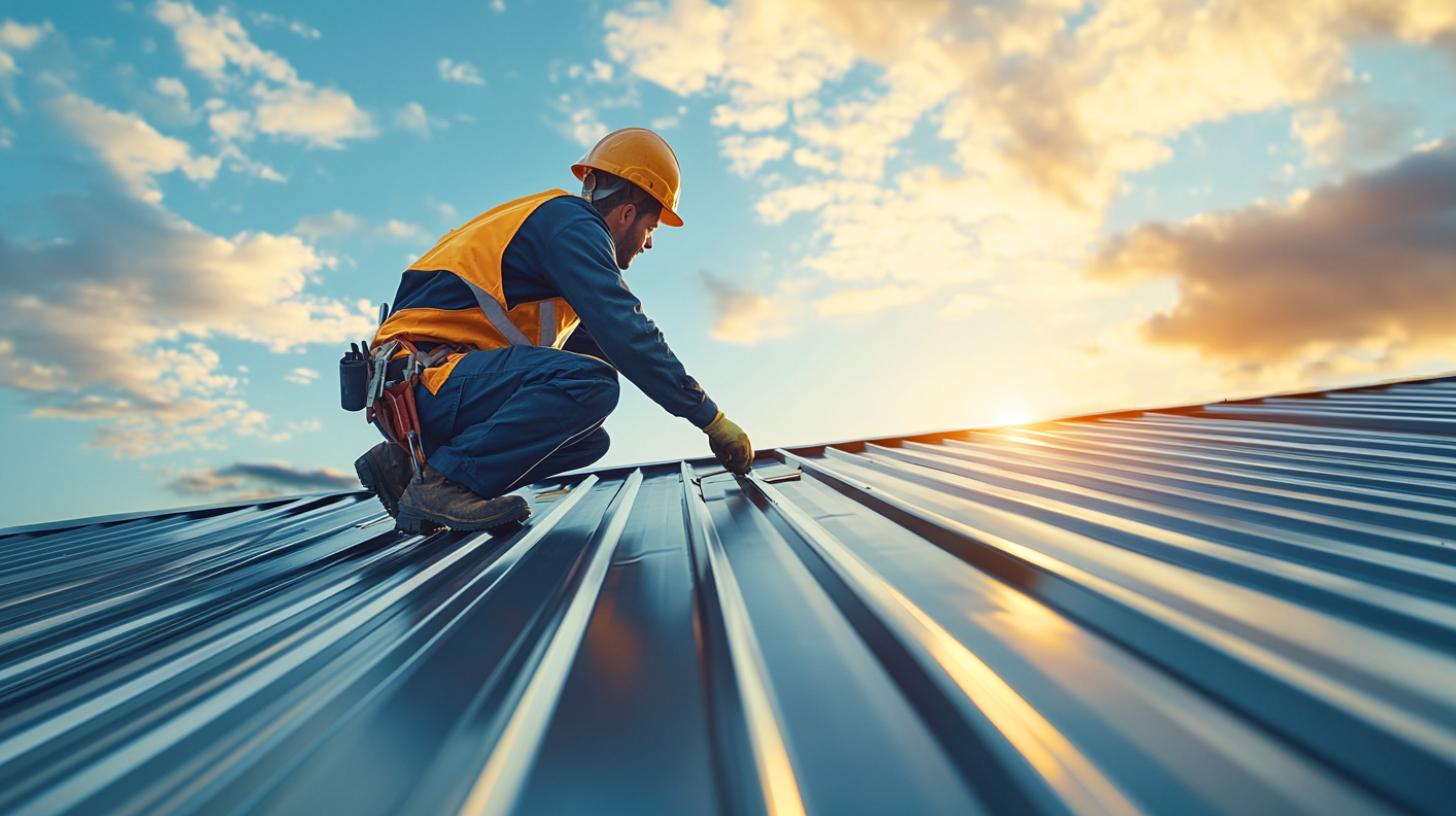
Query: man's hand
pixel 730 444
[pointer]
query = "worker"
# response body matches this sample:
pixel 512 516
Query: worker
pixel 528 320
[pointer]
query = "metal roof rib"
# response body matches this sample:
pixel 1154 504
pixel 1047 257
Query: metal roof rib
pixel 1236 608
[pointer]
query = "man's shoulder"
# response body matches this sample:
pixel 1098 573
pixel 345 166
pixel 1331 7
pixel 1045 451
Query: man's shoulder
pixel 566 208
pixel 562 214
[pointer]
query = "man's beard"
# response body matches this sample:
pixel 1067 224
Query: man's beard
pixel 624 256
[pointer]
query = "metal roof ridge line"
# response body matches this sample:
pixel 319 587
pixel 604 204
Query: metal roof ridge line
pixel 496 789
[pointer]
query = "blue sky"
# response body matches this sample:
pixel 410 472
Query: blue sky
pixel 899 217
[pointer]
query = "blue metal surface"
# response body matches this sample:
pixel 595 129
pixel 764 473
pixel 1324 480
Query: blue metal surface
pixel 1240 608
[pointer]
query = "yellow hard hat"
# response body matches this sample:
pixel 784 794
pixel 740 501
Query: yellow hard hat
pixel 643 158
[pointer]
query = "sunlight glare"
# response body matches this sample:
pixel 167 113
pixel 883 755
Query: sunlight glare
pixel 1010 410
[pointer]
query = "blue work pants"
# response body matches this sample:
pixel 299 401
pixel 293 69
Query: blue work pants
pixel 515 416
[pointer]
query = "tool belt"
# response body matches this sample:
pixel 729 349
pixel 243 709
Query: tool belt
pixel 382 384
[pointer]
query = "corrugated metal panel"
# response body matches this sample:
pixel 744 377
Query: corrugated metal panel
pixel 1242 609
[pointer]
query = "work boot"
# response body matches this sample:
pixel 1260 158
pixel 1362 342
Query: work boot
pixel 436 499
pixel 385 471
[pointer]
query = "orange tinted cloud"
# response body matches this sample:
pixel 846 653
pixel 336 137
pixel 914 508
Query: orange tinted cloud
pixel 1366 265
pixel 1048 107
pixel 742 314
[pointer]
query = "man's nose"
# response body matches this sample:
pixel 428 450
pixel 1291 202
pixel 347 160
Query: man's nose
pixel 648 245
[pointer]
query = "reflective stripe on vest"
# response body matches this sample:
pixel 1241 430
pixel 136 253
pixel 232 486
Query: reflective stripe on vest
pixel 548 323
pixel 498 318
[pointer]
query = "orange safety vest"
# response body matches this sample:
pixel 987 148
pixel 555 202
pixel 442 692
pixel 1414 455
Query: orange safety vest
pixel 473 252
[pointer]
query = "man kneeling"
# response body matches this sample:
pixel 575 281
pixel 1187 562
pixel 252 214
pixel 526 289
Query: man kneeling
pixel 534 320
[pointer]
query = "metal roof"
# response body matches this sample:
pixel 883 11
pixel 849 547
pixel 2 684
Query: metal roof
pixel 1236 608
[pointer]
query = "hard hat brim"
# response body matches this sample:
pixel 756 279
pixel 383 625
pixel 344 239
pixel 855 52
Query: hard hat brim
pixel 669 216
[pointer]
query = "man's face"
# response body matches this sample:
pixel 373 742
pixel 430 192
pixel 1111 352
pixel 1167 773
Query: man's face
pixel 631 233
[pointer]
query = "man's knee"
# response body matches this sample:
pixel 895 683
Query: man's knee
pixel 611 392
pixel 593 446
pixel 599 399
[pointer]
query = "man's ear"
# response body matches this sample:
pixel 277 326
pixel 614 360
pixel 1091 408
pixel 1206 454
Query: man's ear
pixel 620 218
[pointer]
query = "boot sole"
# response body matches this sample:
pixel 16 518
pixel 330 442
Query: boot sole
pixel 412 520
pixel 372 478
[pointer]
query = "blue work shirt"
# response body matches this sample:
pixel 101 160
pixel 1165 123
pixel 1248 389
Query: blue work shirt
pixel 565 250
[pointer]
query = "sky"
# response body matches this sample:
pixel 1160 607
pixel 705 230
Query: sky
pixel 900 217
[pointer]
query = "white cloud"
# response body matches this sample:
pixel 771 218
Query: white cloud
pixel 171 103
pixel 239 163
pixel 930 229
pixel 749 154
pixel 330 225
pixel 211 44
pixel 171 87
pixel 108 320
pixel 598 72
pixel 765 55
pixel 302 376
pixel 814 160
pixel 218 47
pixel 412 117
pixel 462 72
pixel 300 28
pixel 855 137
pixel 230 125
pixel 22 37
pixel 584 128
pixel 7 138
pixel 497 6
pixel 133 150
pixel 447 212
pixel 16 37
pixel 404 231
pixel 679 47
pixel 321 117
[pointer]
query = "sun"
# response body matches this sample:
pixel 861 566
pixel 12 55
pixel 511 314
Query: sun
pixel 1009 411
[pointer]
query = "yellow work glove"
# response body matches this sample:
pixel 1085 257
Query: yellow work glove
pixel 730 444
